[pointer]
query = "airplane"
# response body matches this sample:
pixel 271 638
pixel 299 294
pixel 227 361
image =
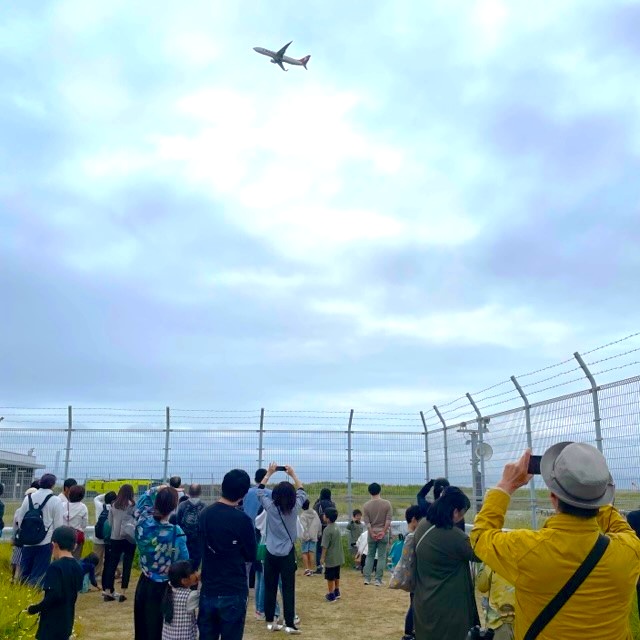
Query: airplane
pixel 278 57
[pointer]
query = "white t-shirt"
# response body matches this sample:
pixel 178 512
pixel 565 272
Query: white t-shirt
pixel 76 515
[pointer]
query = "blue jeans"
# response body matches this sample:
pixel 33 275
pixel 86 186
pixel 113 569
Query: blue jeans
pixel 34 563
pixel 222 617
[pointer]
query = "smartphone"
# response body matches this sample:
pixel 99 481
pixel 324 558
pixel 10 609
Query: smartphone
pixel 534 465
pixel 281 468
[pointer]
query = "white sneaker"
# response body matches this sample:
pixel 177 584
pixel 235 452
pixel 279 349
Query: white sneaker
pixel 366 581
pixel 274 626
pixel 294 631
pixel 378 583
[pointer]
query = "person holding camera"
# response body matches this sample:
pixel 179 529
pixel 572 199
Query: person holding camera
pixel 280 561
pixel 444 604
pixel 570 579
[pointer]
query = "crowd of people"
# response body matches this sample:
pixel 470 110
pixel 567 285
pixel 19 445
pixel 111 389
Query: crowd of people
pixel 197 562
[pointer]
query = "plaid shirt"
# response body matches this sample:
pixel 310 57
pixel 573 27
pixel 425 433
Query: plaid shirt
pixel 183 626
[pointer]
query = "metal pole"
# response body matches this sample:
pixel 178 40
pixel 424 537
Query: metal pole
pixel 481 428
pixel 426 447
pixel 165 471
pixel 349 491
pixel 532 483
pixel 260 439
pixel 594 393
pixel 446 450
pixel 67 454
pixel 477 491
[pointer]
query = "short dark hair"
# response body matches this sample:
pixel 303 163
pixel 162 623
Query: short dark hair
pixel 331 513
pixel 69 482
pixel 325 494
pixel 92 558
pixel 110 497
pixel 260 474
pixel 76 493
pixel 35 484
pixel 284 497
pixel 412 512
pixel 65 538
pixel 374 489
pixel 306 504
pixel 195 490
pixel 175 482
pixel 441 511
pixel 235 485
pixel 166 502
pixel 48 481
pixel 439 485
pixel 356 512
pixel 578 512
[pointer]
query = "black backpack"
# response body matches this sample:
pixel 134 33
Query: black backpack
pixel 32 530
pixel 190 519
pixel 102 520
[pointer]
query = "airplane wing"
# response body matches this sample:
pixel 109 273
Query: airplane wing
pixel 283 50
pixel 279 62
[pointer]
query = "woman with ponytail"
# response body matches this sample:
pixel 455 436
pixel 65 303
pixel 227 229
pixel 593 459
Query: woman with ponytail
pixel 180 603
pixel 443 577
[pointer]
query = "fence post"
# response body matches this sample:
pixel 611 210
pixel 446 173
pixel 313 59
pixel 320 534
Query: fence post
pixel 167 432
pixel 426 447
pixel 67 453
pixel 532 483
pixel 594 393
pixel 349 449
pixel 480 441
pixel 260 439
pixel 444 434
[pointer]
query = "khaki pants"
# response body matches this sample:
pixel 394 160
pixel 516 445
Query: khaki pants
pixel 505 632
pixel 98 549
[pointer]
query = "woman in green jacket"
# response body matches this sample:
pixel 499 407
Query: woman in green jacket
pixel 444 602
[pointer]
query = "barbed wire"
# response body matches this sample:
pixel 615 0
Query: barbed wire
pixel 613 357
pixel 611 344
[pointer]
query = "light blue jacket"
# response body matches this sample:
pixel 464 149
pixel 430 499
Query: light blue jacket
pixel 282 530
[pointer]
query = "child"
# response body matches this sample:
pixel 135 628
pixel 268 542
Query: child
pixel 311 526
pixel 332 554
pixel 501 604
pixel 61 584
pixel 89 564
pixel 180 603
pixel 355 529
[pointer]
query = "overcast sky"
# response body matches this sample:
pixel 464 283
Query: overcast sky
pixel 448 196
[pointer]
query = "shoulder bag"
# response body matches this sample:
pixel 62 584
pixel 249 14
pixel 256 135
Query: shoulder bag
pixel 581 574
pixel 404 573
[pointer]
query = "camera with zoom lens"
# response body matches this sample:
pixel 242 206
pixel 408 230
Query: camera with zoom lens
pixel 477 633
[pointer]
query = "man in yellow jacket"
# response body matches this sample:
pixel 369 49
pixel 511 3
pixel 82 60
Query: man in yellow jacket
pixel 539 563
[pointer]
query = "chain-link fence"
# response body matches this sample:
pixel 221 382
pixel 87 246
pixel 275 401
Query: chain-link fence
pixel 465 440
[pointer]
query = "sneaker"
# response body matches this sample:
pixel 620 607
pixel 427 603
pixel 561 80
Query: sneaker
pixel 319 570
pixel 378 583
pixel 366 581
pixel 274 626
pixel 330 597
pixel 260 616
pixel 122 598
pixel 294 631
pixel 108 597
pixel 296 619
pixel 408 636
pixel 336 593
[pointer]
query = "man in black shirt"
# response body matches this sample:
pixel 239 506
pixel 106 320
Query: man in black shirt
pixel 228 542
pixel 61 584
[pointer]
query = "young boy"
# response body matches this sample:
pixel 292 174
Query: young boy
pixel 355 529
pixel 501 603
pixel 61 584
pixel 332 554
pixel 88 565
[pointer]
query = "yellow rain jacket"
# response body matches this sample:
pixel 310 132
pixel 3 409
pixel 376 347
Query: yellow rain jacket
pixel 539 563
pixel 502 597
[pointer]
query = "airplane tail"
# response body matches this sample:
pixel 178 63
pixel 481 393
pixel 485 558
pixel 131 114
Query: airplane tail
pixel 304 61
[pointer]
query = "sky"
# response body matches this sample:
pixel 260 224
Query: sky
pixel 448 196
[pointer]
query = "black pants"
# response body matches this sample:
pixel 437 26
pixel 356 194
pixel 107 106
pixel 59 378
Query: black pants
pixel 319 551
pixel 118 548
pixel 408 621
pixel 147 609
pixel 194 547
pixel 283 567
